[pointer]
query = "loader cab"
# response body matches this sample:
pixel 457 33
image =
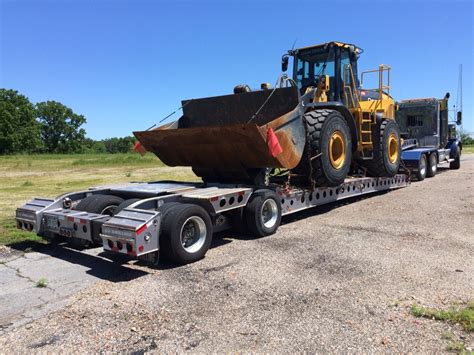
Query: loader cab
pixel 334 59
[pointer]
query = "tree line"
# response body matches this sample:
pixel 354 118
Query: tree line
pixel 48 127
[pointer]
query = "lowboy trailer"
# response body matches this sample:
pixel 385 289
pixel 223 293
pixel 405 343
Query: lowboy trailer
pixel 142 220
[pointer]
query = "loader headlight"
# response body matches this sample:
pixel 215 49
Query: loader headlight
pixel 147 237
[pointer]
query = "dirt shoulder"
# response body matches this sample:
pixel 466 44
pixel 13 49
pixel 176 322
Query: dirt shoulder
pixel 339 279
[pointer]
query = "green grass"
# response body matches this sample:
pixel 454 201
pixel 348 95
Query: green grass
pixel 455 345
pixel 42 282
pixel 462 315
pixel 23 177
pixel 469 149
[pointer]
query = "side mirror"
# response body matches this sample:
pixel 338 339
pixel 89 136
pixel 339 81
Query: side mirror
pixel 459 118
pixel 284 63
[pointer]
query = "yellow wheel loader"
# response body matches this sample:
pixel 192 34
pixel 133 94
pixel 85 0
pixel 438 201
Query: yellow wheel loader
pixel 321 124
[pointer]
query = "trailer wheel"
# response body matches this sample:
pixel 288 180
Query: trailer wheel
pixel 432 167
pixel 165 245
pixel 188 231
pixel 330 146
pixel 125 204
pixel 100 204
pixel 263 213
pixel 456 155
pixel 421 173
pixel 386 149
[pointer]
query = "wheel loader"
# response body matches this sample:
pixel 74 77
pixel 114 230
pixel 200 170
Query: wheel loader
pixel 319 125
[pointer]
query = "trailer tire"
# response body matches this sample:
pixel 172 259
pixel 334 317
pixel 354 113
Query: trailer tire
pixel 386 149
pixel 181 222
pixel 422 168
pixel 125 204
pixel 432 166
pixel 164 243
pixel 329 143
pixel 456 155
pixel 100 204
pixel 263 213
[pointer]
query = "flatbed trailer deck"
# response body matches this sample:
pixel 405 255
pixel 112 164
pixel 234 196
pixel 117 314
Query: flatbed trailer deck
pixel 137 229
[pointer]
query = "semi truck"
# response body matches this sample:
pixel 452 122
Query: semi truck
pixel 313 139
pixel 430 139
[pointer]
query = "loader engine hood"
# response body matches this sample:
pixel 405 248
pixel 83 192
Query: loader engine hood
pixel 218 138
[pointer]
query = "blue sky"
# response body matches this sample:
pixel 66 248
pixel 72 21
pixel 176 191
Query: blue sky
pixel 127 64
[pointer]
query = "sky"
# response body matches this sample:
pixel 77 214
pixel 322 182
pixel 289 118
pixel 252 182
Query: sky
pixel 125 65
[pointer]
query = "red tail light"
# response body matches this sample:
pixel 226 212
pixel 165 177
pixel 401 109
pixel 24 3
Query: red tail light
pixel 141 229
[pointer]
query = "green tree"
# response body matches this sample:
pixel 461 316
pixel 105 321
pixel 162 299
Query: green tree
pixel 61 129
pixel 119 145
pixel 92 146
pixel 466 137
pixel 19 130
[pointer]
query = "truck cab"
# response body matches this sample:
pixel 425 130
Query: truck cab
pixel 429 137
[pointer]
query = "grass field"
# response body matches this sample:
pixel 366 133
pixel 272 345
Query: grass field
pixel 468 149
pixel 23 177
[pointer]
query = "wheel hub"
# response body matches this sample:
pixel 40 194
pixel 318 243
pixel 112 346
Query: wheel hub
pixel 337 150
pixel 193 234
pixel 269 213
pixel 392 148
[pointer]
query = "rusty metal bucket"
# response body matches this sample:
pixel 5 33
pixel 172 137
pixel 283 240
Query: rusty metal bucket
pixel 214 134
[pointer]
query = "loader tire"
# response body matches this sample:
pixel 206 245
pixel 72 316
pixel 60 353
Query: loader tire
pixel 329 142
pixel 386 149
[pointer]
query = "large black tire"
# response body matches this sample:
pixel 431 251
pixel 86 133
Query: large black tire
pixel 385 140
pixel 180 225
pixel 263 213
pixel 456 155
pixel 100 204
pixel 422 168
pixel 322 127
pixel 125 204
pixel 165 245
pixel 432 166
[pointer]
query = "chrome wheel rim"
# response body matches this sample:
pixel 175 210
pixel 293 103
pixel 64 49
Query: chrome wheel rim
pixel 434 166
pixel 269 213
pixel 423 167
pixel 109 210
pixel 193 234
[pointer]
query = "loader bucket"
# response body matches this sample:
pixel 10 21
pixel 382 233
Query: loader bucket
pixel 214 134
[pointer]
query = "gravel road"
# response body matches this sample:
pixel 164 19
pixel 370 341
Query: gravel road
pixel 341 278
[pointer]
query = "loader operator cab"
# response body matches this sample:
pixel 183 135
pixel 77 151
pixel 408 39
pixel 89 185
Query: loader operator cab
pixel 334 59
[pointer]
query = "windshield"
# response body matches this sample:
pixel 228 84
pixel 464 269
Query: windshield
pixel 311 64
